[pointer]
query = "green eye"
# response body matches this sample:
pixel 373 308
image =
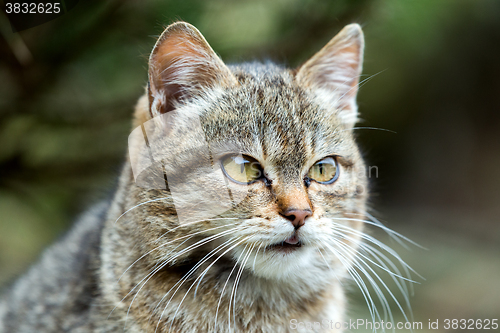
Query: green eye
pixel 325 171
pixel 241 169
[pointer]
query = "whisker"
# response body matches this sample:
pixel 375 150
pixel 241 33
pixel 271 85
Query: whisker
pixel 406 270
pixel 376 254
pixel 378 224
pixel 385 269
pixel 186 224
pixel 170 242
pixel 235 288
pixel 327 264
pixel 401 285
pixel 374 219
pixel 255 258
pixel 199 278
pixel 162 263
pixel 361 84
pixel 186 276
pixel 206 270
pixel 359 281
pixel 380 295
pixel 138 205
pixel 225 285
pixel 358 259
pixel 377 243
pixel 357 86
pixel 374 128
pixel 189 248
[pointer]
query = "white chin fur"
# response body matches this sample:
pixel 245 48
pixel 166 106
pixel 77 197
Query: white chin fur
pixel 275 265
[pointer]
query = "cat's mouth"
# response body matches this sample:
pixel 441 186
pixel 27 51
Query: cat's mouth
pixel 288 245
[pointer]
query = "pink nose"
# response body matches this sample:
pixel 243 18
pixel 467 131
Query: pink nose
pixel 297 216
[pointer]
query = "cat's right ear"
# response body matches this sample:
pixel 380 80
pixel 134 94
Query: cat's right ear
pixel 333 73
pixel 181 66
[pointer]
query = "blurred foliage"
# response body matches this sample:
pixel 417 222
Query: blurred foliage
pixel 68 88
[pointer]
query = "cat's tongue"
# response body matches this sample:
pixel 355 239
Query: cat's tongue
pixel 292 240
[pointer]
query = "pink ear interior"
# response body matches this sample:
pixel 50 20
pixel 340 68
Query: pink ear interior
pixel 336 69
pixel 181 63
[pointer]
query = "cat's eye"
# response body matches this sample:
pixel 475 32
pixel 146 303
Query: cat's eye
pixel 241 169
pixel 325 171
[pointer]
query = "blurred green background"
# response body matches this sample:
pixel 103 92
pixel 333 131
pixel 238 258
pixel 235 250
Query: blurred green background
pixel 68 87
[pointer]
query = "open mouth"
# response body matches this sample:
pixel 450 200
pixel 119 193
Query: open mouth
pixel 288 245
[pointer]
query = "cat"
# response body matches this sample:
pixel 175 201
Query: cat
pixel 241 207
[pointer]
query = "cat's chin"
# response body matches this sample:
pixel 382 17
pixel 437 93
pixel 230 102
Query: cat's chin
pixel 281 261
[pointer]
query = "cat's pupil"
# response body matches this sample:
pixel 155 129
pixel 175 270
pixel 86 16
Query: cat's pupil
pixel 321 169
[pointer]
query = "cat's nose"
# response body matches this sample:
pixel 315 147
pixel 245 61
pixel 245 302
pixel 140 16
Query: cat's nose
pixel 297 216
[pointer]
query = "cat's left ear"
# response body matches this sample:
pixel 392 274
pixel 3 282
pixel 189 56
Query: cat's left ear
pixel 333 73
pixel 182 65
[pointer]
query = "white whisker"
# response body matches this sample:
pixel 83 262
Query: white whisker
pixel 391 232
pixel 385 269
pixel 168 243
pixel 138 205
pixel 189 248
pixel 359 281
pixel 186 276
pixel 255 258
pixel 186 224
pixel 377 243
pixel 232 297
pixel 357 259
pixel 329 267
pixel 204 272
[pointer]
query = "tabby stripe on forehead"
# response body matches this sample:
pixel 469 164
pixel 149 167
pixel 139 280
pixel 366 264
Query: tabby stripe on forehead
pixel 264 147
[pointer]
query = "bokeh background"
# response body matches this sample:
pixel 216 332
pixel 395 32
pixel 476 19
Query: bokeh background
pixel 68 87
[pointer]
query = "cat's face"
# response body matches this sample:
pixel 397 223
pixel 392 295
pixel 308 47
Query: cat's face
pixel 261 162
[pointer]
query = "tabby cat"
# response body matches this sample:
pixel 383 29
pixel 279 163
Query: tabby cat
pixel 240 208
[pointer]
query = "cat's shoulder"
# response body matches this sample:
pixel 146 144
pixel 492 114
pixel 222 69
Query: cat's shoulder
pixel 57 290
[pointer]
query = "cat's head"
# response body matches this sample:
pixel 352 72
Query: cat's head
pixel 255 162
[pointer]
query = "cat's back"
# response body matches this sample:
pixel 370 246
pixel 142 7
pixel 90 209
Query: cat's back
pixel 57 294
